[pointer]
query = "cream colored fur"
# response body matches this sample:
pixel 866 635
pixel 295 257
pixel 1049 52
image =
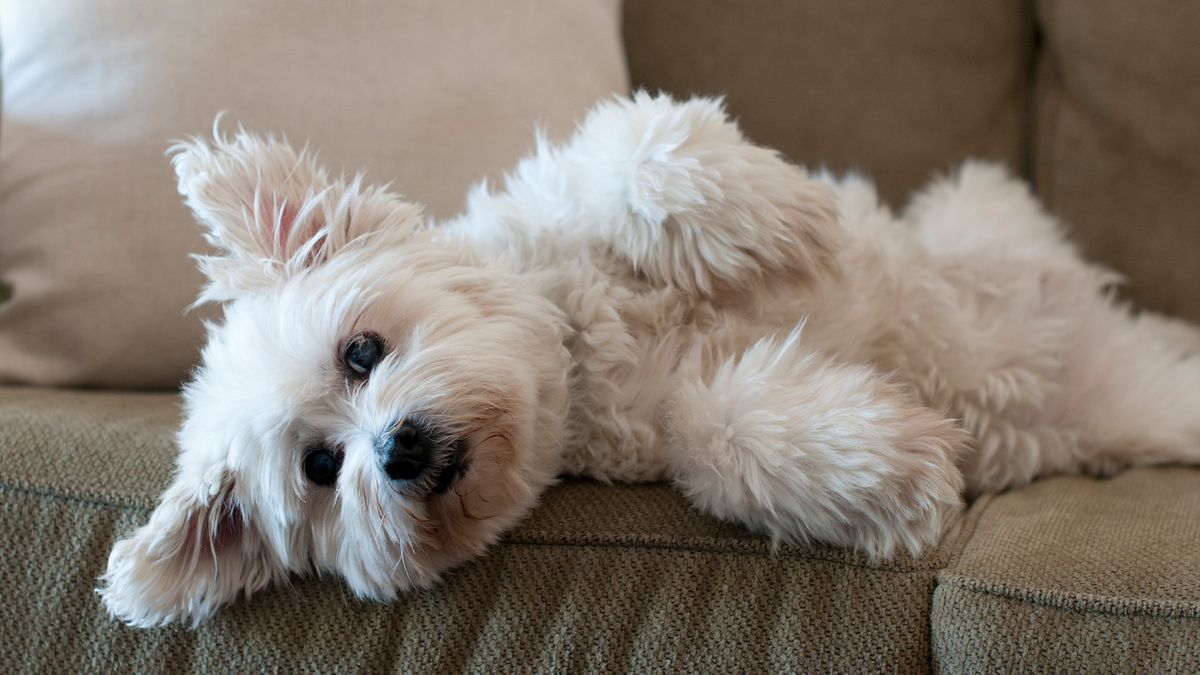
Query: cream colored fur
pixel 656 299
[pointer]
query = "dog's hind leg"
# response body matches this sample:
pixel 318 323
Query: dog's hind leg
pixel 801 448
pixel 673 190
pixel 980 207
pixel 690 202
pixel 1135 384
pixel 1175 335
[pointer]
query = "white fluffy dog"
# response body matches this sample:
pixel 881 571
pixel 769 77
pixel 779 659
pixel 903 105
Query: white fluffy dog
pixel 656 299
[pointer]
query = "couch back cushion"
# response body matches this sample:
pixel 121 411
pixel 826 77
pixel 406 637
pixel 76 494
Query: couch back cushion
pixel 1118 139
pixel 94 241
pixel 895 91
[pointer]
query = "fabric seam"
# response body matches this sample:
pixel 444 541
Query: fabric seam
pixel 967 534
pixel 1082 604
pixel 533 540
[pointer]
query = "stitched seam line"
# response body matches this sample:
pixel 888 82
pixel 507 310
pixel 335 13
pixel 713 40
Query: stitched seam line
pixel 729 552
pixel 569 542
pixel 126 503
pixel 967 534
pixel 535 539
pixel 92 500
pixel 1081 604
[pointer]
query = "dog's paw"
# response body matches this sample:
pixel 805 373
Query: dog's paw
pixel 807 450
pixel 677 190
pixel 877 502
pixel 132 592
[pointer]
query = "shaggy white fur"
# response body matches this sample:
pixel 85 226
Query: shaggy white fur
pixel 657 298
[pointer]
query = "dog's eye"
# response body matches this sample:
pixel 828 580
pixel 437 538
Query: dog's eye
pixel 322 466
pixel 362 352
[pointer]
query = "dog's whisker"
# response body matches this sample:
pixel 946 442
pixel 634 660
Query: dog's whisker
pixel 419 519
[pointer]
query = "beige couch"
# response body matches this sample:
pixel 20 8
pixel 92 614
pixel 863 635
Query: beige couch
pixel 1094 100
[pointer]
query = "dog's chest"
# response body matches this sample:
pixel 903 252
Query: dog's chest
pixel 631 347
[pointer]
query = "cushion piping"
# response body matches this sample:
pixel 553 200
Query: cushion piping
pixel 761 548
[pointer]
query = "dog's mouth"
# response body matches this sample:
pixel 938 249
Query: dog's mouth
pixel 454 468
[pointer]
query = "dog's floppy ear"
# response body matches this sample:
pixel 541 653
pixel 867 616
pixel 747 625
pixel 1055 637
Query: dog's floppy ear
pixel 271 211
pixel 197 553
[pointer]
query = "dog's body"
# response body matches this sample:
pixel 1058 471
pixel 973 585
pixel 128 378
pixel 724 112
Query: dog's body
pixel 656 299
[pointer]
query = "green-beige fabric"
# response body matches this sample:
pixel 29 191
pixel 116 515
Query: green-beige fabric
pixel 1078 573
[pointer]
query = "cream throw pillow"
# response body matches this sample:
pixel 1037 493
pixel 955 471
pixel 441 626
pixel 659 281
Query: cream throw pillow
pixel 94 241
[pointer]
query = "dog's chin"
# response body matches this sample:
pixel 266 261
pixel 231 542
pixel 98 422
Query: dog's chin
pixel 412 533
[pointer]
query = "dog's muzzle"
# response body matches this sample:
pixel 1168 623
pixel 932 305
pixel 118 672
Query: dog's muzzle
pixel 413 449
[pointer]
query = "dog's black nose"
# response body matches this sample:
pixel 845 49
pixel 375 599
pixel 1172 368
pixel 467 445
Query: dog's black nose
pixel 405 452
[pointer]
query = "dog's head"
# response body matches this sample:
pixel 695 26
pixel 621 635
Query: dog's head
pixel 376 402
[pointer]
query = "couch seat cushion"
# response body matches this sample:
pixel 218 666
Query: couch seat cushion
pixel 1092 575
pixel 624 577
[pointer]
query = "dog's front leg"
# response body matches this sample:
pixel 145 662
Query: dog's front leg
pixel 802 448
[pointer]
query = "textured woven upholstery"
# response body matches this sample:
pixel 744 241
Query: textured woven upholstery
pixel 1085 574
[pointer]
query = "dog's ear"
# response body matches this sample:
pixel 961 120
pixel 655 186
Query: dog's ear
pixel 271 211
pixel 198 552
